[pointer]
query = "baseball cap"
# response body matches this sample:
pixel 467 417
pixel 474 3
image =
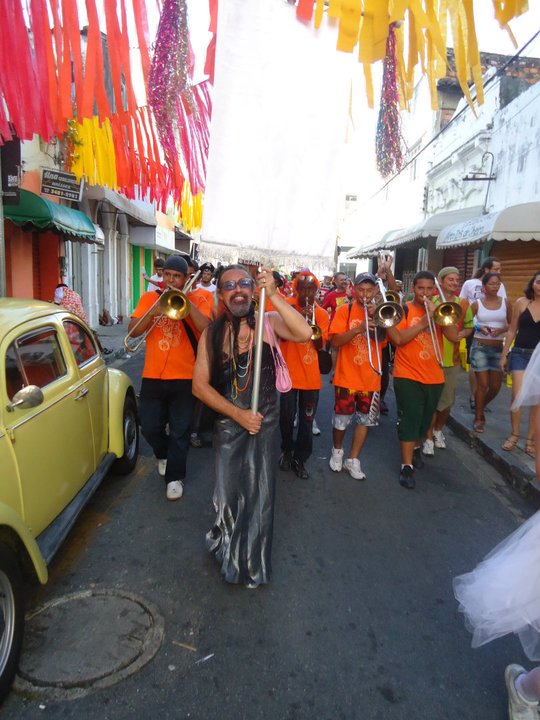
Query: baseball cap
pixel 365 277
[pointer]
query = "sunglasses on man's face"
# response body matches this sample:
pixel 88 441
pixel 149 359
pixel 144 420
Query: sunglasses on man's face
pixel 233 284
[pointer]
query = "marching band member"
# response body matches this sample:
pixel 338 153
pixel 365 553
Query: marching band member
pixel 303 363
pixel 418 376
pixel 357 384
pixel 166 397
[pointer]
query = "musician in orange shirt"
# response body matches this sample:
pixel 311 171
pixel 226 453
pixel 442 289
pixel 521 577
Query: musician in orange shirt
pixel 166 397
pixel 303 363
pixel 357 384
pixel 418 375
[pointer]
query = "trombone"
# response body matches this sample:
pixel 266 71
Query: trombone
pixel 172 302
pixel 446 313
pixel 387 314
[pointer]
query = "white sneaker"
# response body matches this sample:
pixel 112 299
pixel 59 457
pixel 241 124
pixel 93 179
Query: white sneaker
pixel 427 448
pixel 315 429
pixel 440 440
pixel 518 707
pixel 336 460
pixel 175 490
pixel 353 467
pixel 162 467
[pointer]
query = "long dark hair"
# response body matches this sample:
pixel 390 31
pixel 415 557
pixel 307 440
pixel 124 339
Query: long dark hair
pixel 529 292
pixel 486 265
pixel 216 332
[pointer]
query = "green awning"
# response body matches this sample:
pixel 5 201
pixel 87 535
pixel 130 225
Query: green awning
pixel 34 211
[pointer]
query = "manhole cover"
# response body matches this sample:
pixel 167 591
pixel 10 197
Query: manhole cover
pixel 87 640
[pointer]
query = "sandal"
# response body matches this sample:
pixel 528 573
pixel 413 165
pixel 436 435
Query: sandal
pixel 530 447
pixel 510 443
pixel 478 426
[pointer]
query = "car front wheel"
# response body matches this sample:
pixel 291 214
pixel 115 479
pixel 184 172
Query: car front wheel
pixel 11 618
pixel 130 426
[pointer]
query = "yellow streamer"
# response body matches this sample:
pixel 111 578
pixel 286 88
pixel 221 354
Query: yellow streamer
pixel 367 22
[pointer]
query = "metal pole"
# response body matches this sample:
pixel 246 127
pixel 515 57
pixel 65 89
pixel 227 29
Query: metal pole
pixel 3 284
pixel 259 330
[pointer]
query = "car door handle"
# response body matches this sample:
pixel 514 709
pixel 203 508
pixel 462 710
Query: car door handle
pixel 83 393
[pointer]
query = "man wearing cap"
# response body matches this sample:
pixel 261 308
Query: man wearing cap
pixel 303 363
pixel 449 282
pixel 166 397
pixel 357 385
pixel 207 273
pixel 418 377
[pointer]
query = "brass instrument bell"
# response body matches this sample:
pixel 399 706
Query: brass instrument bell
pixel 448 313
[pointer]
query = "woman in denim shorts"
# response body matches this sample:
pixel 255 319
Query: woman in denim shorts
pixel 492 316
pixel 525 330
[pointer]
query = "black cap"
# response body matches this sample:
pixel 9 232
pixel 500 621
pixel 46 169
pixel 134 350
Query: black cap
pixel 176 263
pixel 207 266
pixel 365 277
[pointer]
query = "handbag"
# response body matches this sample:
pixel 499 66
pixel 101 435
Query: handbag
pixel 325 361
pixel 283 378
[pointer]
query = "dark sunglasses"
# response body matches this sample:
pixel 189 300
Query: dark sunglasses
pixel 233 284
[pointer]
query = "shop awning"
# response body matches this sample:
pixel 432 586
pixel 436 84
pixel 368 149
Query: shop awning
pixel 429 227
pixel 138 211
pixel 367 251
pixel 517 222
pixel 35 211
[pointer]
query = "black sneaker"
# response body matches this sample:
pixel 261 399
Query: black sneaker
pixel 417 458
pixel 406 477
pixel 299 469
pixel 285 461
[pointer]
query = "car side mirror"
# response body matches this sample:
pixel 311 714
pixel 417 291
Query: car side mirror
pixel 28 397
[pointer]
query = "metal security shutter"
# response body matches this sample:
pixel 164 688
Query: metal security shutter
pixel 519 260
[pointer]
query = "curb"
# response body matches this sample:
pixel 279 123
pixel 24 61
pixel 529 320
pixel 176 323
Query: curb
pixel 515 473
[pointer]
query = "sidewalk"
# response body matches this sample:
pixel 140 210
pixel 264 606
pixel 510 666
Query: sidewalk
pixel 112 338
pixel 517 468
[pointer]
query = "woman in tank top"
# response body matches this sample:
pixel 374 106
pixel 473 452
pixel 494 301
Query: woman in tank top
pixel 525 329
pixel 492 316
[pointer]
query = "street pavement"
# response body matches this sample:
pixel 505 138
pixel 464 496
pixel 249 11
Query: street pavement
pixel 359 621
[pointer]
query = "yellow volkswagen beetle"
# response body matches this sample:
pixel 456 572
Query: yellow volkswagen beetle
pixel 66 419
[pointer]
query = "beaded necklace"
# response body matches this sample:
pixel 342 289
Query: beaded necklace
pixel 237 370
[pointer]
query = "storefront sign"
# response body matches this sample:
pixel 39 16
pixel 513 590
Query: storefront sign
pixel 10 160
pixel 60 184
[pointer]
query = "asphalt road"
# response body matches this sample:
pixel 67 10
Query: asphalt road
pixel 359 621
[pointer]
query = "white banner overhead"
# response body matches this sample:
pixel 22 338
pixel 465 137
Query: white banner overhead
pixel 278 130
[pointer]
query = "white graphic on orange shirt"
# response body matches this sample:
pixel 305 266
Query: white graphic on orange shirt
pixel 172 333
pixel 425 351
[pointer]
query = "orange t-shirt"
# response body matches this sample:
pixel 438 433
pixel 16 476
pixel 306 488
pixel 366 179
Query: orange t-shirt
pixel 416 359
pixel 169 354
pixel 353 370
pixel 302 358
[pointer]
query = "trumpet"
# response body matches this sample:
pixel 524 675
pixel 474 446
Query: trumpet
pixel 446 313
pixel 172 303
pixel 316 332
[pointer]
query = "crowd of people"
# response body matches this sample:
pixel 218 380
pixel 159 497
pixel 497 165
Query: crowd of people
pixel 208 360
pixel 202 367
